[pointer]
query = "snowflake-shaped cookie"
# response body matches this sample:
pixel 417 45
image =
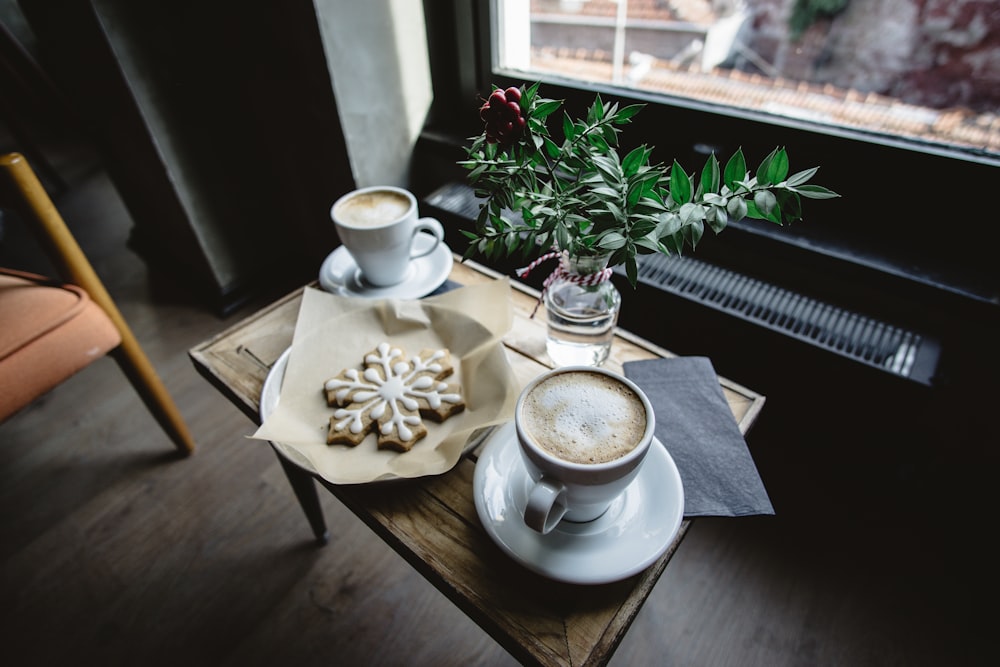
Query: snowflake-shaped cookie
pixel 389 396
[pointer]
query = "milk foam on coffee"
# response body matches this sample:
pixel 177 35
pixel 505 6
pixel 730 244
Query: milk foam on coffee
pixel 584 417
pixel 371 209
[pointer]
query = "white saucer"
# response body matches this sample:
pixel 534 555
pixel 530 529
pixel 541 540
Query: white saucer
pixel 637 529
pixel 340 275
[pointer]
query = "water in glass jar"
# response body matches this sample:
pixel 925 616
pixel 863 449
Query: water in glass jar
pixel 581 323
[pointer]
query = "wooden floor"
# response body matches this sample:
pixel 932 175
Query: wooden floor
pixel 115 552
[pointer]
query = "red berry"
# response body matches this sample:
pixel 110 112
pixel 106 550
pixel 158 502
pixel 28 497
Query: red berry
pixel 503 117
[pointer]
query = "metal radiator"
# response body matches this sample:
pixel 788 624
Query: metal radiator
pixel 874 342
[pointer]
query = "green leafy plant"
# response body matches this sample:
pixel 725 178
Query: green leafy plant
pixel 581 197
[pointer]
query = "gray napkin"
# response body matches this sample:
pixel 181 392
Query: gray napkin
pixel 694 422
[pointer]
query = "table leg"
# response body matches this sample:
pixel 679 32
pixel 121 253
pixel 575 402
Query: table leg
pixel 305 490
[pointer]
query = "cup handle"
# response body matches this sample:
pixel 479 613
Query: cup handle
pixel 434 228
pixel 545 506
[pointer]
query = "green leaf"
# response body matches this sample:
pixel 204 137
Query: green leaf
pixel 512 242
pixel 544 109
pixel 562 237
pixel 674 243
pixel 626 113
pixel 736 208
pixel 779 167
pixel 636 190
pixel 789 205
pixel 691 214
pixel 528 95
pixel 551 149
pixel 610 170
pixel 801 177
pixel 616 211
pixel 636 158
pixel 774 168
pixel 765 201
pixel 596 111
pixel 717 218
pixel 632 270
pixel 736 170
pixel 598 142
pixel 652 245
pixel 680 184
pixel 610 135
pixel 710 175
pixel 569 129
pixel 670 223
pixel 754 212
pixel 642 228
pixel 611 241
pixel 606 193
pixel 815 192
pixel 475 174
pixel 693 233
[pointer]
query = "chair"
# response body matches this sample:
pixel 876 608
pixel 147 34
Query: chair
pixel 52 329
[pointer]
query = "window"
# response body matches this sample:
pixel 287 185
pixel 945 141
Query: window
pixel 915 206
pixel 926 73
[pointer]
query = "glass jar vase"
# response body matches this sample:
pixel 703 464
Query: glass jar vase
pixel 581 305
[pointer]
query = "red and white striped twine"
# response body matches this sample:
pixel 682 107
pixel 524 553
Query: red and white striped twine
pixel 562 271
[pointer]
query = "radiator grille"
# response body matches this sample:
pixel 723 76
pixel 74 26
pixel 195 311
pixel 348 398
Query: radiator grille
pixel 845 332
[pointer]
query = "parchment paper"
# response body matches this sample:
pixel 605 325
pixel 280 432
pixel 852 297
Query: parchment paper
pixel 333 333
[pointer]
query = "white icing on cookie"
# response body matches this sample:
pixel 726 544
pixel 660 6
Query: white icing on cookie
pixel 389 384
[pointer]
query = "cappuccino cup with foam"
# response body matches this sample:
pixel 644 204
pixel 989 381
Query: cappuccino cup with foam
pixel 379 225
pixel 583 433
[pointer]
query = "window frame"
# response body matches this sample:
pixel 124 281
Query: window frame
pixel 903 220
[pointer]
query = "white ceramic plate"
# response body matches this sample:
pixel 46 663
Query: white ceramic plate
pixel 637 529
pixel 269 401
pixel 339 274
pixel 271 392
pixel 272 385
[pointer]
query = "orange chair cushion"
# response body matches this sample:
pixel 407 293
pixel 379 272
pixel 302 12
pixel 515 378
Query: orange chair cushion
pixel 48 332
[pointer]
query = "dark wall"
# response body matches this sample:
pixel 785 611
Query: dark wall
pixel 218 125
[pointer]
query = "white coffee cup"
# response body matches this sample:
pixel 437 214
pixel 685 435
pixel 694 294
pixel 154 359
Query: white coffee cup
pixel 583 433
pixel 378 225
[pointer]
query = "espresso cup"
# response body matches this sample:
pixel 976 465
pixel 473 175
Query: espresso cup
pixel 583 433
pixel 378 226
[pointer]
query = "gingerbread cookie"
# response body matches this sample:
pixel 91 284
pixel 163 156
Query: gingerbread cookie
pixel 391 396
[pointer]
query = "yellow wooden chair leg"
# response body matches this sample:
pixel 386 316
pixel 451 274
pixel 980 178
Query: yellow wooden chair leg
pixel 66 253
pixel 140 372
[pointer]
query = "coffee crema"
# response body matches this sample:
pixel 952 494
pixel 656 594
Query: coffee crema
pixel 584 417
pixel 372 209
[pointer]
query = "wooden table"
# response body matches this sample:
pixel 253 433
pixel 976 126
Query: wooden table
pixel 432 522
